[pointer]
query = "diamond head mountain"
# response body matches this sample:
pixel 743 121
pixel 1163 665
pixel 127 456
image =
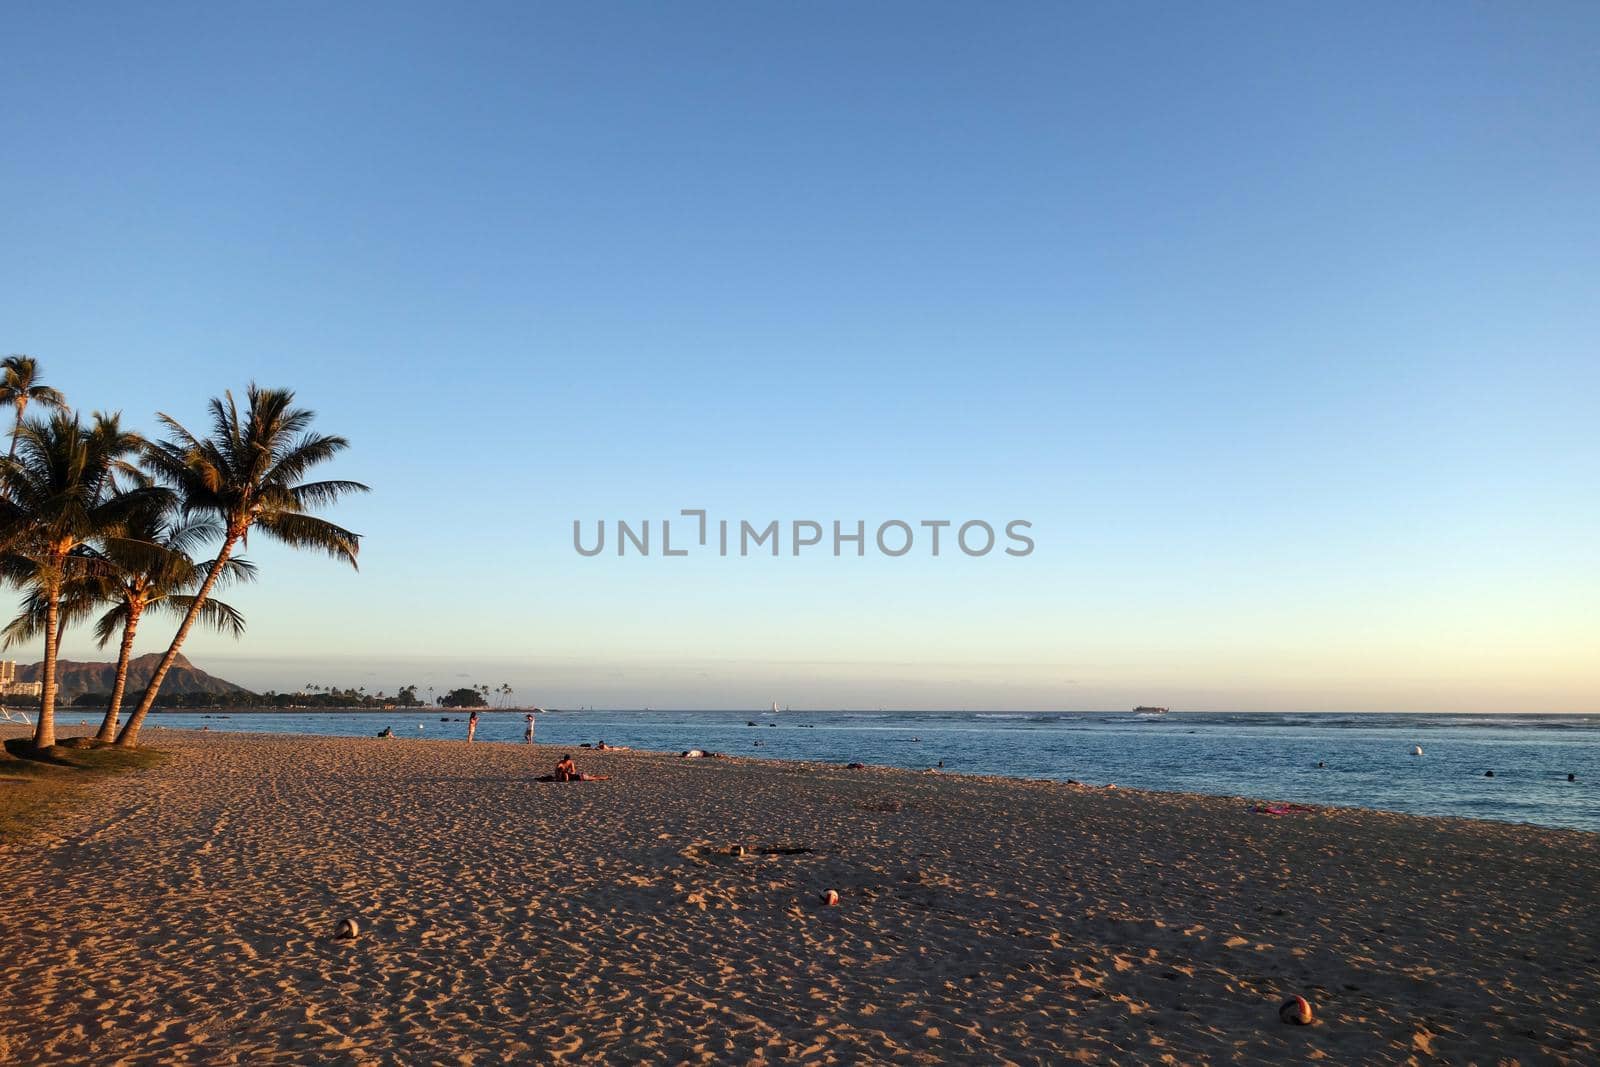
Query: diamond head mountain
pixel 77 678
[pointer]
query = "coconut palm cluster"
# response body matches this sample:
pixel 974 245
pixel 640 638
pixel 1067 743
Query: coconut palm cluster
pixel 100 524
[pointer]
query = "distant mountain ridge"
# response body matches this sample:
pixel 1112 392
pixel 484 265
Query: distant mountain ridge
pixel 76 678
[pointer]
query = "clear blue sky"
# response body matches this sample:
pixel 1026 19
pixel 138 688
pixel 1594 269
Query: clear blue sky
pixel 1280 322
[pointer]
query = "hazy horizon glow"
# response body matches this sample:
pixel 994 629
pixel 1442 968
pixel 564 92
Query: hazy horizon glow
pixel 1279 324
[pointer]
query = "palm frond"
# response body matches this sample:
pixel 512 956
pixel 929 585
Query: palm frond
pixel 309 495
pixel 313 534
pixel 110 624
pixel 311 450
pixel 235 570
pixel 77 603
pixel 224 618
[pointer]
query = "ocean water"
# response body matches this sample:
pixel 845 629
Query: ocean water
pixel 1270 756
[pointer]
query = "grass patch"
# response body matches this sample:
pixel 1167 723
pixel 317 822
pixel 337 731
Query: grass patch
pixel 34 786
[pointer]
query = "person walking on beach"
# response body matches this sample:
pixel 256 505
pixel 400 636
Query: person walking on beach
pixel 472 725
pixel 527 731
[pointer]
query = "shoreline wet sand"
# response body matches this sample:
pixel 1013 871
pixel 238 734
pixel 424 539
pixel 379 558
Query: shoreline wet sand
pixel 187 913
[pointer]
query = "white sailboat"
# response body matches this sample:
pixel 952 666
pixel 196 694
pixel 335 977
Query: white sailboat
pixel 774 707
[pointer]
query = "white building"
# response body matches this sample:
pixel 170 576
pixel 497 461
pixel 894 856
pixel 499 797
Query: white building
pixel 9 686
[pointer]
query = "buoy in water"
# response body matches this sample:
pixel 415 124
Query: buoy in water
pixel 348 930
pixel 1416 750
pixel 830 897
pixel 1296 1010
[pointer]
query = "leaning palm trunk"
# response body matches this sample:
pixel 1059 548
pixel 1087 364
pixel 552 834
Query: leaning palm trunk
pixel 44 735
pixel 108 728
pixel 129 737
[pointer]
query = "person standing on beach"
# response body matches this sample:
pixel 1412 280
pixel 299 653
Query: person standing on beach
pixel 472 725
pixel 527 731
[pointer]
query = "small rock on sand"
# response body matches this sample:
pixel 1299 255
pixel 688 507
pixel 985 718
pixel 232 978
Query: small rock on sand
pixel 1296 1010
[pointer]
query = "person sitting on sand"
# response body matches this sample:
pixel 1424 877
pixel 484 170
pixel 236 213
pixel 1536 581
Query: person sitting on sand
pixel 567 771
pixel 602 746
pixel 388 731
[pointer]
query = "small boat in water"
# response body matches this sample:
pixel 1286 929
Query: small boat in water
pixel 1144 710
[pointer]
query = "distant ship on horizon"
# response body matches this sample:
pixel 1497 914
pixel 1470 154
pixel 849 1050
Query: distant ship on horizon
pixel 1146 710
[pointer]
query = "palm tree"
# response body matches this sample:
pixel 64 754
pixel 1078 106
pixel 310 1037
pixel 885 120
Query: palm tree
pixel 159 580
pixel 246 475
pixel 58 495
pixel 19 386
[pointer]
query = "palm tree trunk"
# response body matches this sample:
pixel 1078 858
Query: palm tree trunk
pixel 108 728
pixel 129 737
pixel 22 405
pixel 44 735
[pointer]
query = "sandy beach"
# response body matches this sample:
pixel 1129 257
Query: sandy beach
pixel 187 914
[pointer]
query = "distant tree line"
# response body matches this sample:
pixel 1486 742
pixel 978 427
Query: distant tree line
pixel 328 696
pixel 316 696
pixel 312 697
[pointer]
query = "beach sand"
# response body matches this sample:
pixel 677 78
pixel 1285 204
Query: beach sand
pixel 187 914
